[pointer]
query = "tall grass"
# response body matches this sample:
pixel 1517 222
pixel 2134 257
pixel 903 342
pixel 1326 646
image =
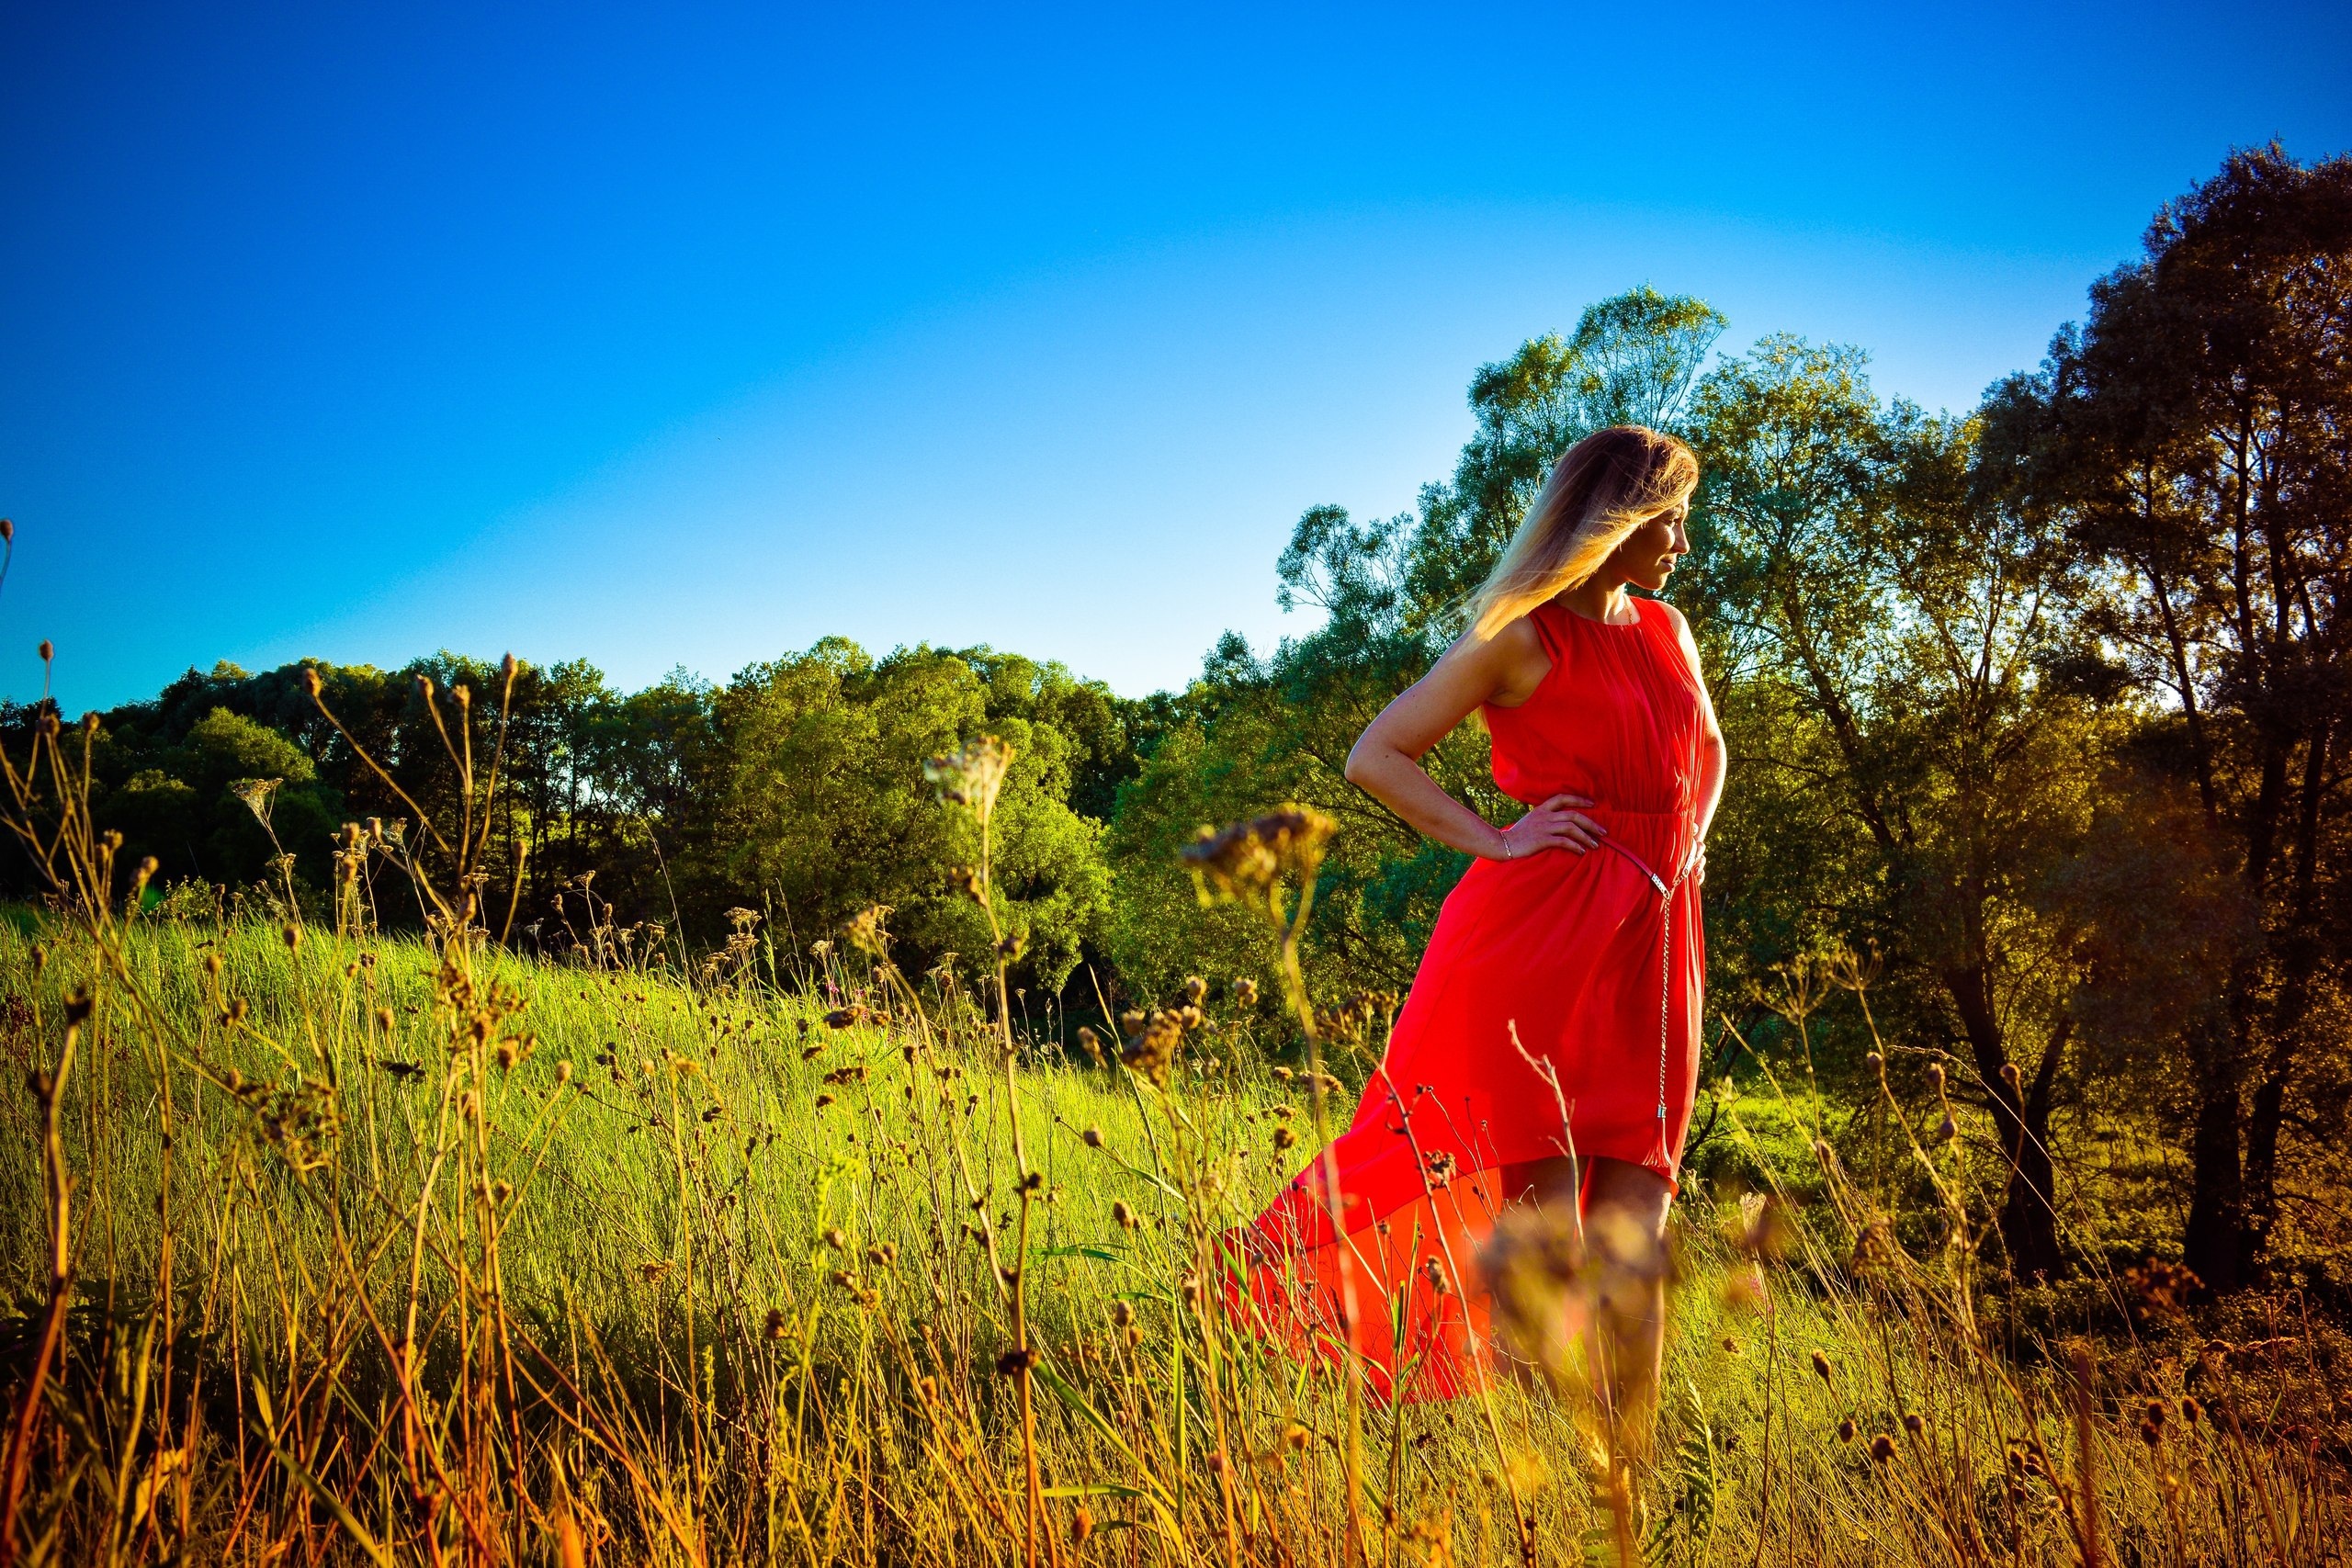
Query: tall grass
pixel 337 1246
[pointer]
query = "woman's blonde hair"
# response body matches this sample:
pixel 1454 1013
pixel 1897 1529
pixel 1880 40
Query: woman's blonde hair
pixel 1601 490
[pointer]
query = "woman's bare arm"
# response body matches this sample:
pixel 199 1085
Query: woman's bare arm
pixel 1714 758
pixel 1386 760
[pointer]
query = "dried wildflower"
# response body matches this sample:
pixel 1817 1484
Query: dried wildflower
pixel 1248 862
pixel 973 777
pixel 1820 1365
pixel 1091 1137
pixel 1435 1272
pixel 882 1252
pixel 258 796
pixel 2189 1409
pixel 1914 1423
pixel 1081 1526
pixel 1882 1448
pixel 1123 1216
pixel 1846 1429
pixel 1151 1050
pixel 1946 1130
pixel 1195 990
pixel 1016 1362
pixel 1245 993
pixel 836 1240
pixel 1284 1138
pixel 867 930
pixel 1121 1314
pixel 653 1270
pixel 1092 1043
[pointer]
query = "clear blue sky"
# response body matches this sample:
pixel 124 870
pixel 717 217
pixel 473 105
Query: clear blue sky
pixel 684 336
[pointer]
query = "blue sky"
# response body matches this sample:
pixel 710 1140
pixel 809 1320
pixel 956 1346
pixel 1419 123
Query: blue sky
pixel 684 336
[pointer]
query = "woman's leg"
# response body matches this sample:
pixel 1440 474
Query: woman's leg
pixel 1624 1217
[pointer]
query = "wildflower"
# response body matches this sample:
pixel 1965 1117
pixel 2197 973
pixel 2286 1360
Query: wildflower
pixel 2189 1409
pixel 1435 1274
pixel 1913 1423
pixel 1091 1137
pixel 774 1327
pixel 972 776
pixel 1882 1448
pixel 1247 861
pixel 1846 1429
pixel 1092 1043
pixel 836 1240
pixel 1284 1137
pixel 1946 1130
pixel 1016 1362
pixel 1195 988
pixel 1150 1049
pixel 653 1270
pixel 1820 1365
pixel 1123 1216
pixel 1123 1313
pixel 1081 1526
pixel 1245 993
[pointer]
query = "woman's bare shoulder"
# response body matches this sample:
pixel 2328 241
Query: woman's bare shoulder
pixel 1514 661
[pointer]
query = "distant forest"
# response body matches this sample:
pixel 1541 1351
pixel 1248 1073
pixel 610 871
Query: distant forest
pixel 2037 713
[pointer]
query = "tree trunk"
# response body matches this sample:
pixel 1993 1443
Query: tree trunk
pixel 2302 955
pixel 2028 1215
pixel 2216 1201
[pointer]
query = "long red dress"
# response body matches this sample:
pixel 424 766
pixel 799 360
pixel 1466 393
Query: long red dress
pixel 1595 959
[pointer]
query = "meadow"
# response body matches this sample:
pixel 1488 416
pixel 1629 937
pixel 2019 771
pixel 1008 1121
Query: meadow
pixel 334 1244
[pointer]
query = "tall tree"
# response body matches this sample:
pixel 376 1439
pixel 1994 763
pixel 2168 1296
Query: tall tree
pixel 1856 562
pixel 2194 430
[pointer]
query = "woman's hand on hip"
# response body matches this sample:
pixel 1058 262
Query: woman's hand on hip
pixel 1555 824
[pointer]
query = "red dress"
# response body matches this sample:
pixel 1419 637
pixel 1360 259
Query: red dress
pixel 1595 959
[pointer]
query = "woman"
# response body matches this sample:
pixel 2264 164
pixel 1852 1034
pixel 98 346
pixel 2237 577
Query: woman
pixel 1548 1047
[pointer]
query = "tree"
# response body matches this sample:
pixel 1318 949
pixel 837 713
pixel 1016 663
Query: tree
pixel 2193 432
pixel 1860 566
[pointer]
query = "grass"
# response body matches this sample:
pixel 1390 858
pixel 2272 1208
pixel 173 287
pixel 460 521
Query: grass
pixel 338 1245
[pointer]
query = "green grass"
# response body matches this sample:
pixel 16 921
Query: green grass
pixel 634 1334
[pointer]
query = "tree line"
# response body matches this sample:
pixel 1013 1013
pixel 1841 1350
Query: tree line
pixel 2037 716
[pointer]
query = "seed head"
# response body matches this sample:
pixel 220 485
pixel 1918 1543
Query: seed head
pixel 1914 1423
pixel 48 650
pixel 1081 1526
pixel 835 1239
pixel 1247 861
pixel 1123 1216
pixel 1882 1448
pixel 1195 990
pixel 1245 993
pixel 2189 1409
pixel 1846 1429
pixel 1820 1365
pixel 1092 1043
pixel 1122 1313
pixel 774 1327
pixel 1091 1137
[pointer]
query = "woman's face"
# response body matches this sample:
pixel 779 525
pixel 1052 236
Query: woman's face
pixel 1646 556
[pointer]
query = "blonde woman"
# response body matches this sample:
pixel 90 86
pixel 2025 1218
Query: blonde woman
pixel 1546 1053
